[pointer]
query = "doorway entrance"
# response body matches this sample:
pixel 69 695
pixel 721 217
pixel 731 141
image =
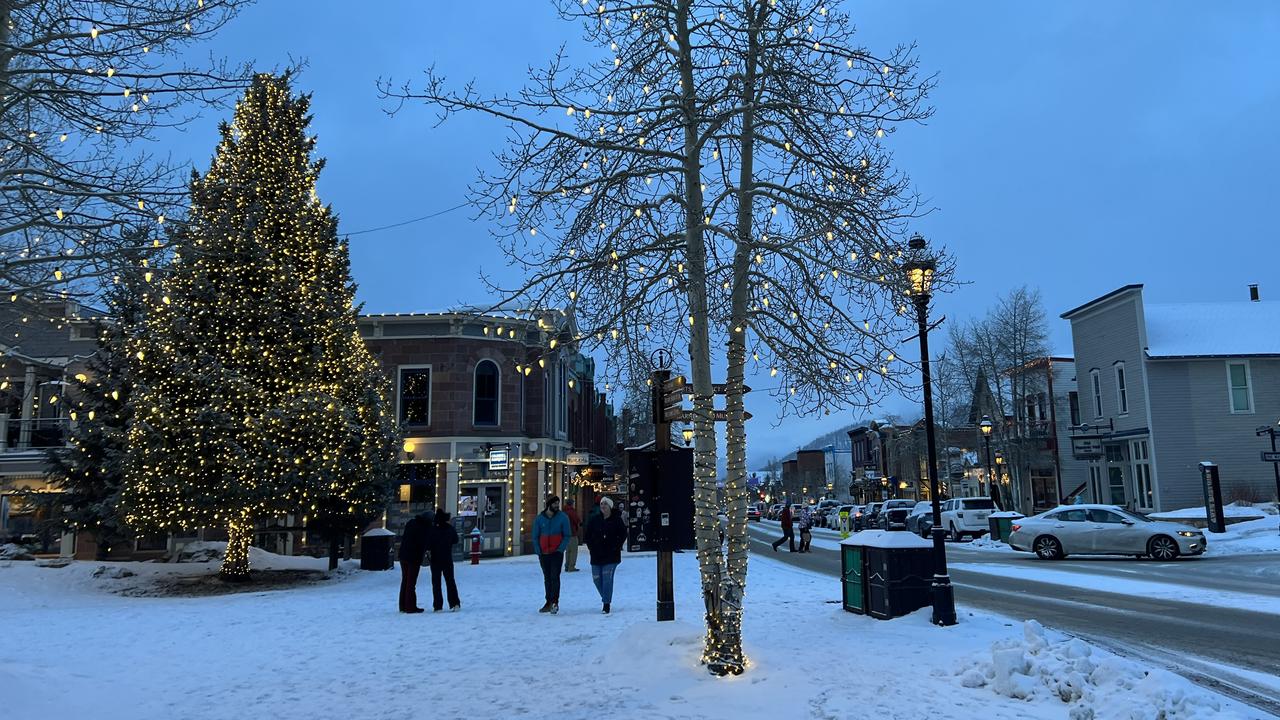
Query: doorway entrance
pixel 484 505
pixel 1117 482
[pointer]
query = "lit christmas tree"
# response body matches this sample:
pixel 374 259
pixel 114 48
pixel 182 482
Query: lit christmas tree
pixel 254 395
pixel 90 470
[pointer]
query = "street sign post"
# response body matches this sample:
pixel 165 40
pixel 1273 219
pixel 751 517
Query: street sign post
pixel 1212 497
pixel 1271 457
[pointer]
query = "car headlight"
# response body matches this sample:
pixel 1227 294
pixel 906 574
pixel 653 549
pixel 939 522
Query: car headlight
pixel 1187 533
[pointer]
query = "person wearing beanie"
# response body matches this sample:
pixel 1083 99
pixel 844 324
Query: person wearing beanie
pixel 443 538
pixel 550 539
pixel 605 537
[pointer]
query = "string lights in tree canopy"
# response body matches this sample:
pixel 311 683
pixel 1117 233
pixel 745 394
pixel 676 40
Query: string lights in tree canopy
pixel 254 393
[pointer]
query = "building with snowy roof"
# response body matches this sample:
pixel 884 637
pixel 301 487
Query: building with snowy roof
pixel 1164 387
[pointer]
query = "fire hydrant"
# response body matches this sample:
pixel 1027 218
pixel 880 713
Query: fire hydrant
pixel 475 546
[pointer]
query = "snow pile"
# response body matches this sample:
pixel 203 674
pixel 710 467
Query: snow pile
pixel 1234 510
pixel 9 551
pixel 1091 682
pixel 986 543
pixel 1252 536
pixel 259 559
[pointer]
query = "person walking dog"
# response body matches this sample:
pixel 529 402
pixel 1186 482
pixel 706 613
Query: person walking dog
pixel 550 538
pixel 605 537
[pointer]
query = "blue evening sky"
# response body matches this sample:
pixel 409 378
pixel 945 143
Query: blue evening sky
pixel 1077 147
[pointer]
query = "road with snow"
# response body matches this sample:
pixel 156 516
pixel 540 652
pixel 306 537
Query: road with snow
pixel 1194 616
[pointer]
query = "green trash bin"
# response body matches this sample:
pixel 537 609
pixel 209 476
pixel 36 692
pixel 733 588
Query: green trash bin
pixel 1001 524
pixel 853 575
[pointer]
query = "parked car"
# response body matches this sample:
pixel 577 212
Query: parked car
pixel 921 509
pixel 821 511
pixel 1103 530
pixel 833 515
pixel 753 513
pixel 923 524
pixel 966 516
pixel 893 514
pixel 774 511
pixel 870 516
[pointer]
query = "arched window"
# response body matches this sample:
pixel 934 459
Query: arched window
pixel 486 393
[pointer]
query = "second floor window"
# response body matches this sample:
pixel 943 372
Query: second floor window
pixel 1238 386
pixel 415 396
pixel 1096 379
pixel 1073 403
pixel 486 393
pixel 1122 393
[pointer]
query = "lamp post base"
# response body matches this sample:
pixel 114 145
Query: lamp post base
pixel 944 601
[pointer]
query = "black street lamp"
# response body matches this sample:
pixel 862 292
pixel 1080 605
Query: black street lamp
pixel 987 426
pixel 919 268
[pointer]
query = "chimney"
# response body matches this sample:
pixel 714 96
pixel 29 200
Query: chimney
pixel 1253 292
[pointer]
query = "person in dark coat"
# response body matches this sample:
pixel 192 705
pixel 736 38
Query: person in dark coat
pixel 413 546
pixel 443 538
pixel 605 537
pixel 788 532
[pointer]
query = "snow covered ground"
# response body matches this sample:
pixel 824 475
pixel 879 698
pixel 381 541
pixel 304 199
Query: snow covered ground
pixel 1125 586
pixel 338 649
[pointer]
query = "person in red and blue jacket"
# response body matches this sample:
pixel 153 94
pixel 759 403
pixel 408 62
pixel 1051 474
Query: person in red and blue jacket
pixel 550 538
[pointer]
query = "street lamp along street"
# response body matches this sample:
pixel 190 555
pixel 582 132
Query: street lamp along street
pixel 992 488
pixel 919 268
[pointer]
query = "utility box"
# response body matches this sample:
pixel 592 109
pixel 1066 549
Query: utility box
pixel 897 572
pixel 1001 524
pixel 660 500
pixel 375 549
pixel 853 578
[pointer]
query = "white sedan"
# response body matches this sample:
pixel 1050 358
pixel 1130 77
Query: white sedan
pixel 1103 530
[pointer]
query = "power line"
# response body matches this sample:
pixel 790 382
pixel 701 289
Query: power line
pixel 437 213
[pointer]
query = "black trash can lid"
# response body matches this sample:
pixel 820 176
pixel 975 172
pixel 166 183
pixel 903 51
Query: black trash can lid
pixel 379 532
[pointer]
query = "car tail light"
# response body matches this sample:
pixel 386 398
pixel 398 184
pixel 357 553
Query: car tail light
pixel 1015 527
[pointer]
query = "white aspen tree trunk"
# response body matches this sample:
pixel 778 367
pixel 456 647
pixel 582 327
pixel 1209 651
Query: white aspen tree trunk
pixel 710 559
pixel 734 584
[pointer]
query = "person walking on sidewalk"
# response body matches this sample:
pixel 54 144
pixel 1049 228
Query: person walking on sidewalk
pixel 413 546
pixel 443 538
pixel 605 537
pixel 575 526
pixel 806 523
pixel 788 531
pixel 550 538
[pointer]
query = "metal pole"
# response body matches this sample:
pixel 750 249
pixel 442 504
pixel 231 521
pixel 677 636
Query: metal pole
pixel 661 446
pixel 1275 466
pixel 991 485
pixel 944 603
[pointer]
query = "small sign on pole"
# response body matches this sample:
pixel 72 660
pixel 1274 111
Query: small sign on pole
pixel 498 458
pixel 1270 456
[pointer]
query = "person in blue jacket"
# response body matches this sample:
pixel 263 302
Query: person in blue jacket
pixel 550 538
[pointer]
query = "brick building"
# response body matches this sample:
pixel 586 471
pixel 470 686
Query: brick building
pixel 498 412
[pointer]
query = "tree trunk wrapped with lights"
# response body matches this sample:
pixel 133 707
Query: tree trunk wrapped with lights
pixel 255 396
pixel 717 178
